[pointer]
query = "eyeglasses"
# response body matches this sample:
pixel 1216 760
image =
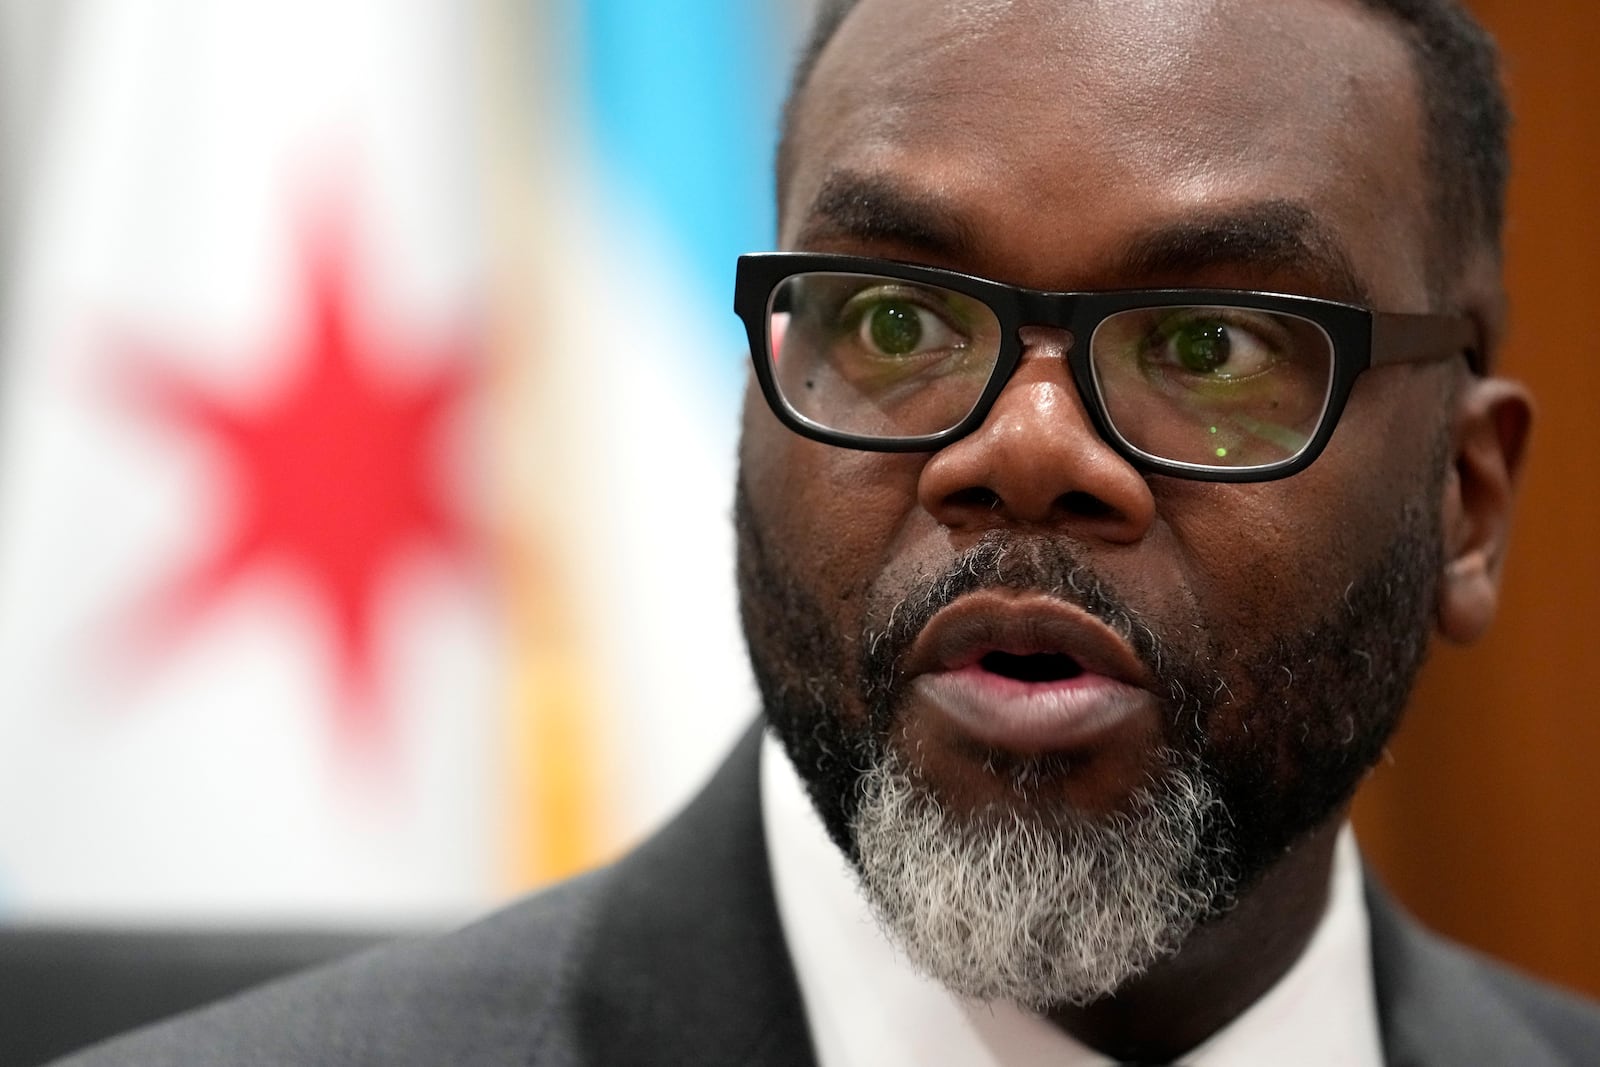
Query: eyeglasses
pixel 1210 384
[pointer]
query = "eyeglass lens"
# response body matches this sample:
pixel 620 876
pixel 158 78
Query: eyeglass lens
pixel 1206 385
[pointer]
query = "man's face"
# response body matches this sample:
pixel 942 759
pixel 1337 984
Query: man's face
pixel 1021 623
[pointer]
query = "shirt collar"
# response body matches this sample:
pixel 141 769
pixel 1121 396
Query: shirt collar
pixel 866 1005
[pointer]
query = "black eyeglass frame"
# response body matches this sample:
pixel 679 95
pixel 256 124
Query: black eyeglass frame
pixel 1361 338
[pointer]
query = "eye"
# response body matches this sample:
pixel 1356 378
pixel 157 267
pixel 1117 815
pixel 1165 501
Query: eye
pixel 895 324
pixel 1201 346
pixel 1219 344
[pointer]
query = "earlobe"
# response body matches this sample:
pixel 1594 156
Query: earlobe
pixel 1490 436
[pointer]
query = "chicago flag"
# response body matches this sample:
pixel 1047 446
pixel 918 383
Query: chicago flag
pixel 368 391
pixel 250 654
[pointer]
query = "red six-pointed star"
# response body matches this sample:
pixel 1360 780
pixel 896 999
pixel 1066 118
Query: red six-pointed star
pixel 336 476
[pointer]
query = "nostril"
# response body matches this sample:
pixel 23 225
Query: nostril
pixel 1077 503
pixel 975 496
pixel 1085 504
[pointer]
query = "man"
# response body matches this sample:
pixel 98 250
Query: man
pixel 1092 531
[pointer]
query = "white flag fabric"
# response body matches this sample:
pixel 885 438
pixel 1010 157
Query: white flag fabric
pixel 368 394
pixel 248 645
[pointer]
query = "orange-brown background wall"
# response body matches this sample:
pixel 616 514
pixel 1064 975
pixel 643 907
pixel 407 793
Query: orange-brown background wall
pixel 1487 820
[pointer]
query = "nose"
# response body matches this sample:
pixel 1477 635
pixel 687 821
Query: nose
pixel 1038 461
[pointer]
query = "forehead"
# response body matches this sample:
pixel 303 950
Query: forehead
pixel 1044 132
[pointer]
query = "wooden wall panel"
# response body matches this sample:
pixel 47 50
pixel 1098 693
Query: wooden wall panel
pixel 1486 821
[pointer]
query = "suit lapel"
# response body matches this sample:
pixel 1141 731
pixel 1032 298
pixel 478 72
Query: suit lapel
pixel 688 963
pixel 1436 1005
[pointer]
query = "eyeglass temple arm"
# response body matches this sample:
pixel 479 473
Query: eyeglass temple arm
pixel 1415 338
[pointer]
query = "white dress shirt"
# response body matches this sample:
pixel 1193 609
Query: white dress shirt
pixel 868 1007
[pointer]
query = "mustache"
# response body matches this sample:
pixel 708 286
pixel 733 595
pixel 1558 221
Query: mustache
pixel 999 560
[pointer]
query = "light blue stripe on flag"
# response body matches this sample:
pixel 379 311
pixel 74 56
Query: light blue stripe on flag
pixel 683 97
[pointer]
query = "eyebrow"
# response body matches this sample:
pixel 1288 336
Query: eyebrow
pixel 1271 235
pixel 863 207
pixel 1268 235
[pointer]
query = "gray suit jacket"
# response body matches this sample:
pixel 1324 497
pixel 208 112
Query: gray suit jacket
pixel 675 956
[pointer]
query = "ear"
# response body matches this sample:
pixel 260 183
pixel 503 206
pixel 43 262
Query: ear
pixel 1491 431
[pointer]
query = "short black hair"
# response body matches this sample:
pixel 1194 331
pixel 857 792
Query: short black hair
pixel 1458 70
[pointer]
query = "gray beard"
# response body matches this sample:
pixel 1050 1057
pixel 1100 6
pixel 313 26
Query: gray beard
pixel 1016 905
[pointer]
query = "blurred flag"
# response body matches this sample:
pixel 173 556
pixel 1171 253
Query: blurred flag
pixel 366 444
pixel 250 658
pixel 642 169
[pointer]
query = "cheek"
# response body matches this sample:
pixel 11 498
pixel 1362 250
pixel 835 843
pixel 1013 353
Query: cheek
pixel 832 515
pixel 1243 553
pixel 1277 558
pixel 1274 563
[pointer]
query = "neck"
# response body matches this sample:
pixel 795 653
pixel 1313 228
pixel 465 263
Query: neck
pixel 1225 965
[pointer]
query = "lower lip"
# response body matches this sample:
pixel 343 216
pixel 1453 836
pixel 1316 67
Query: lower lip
pixel 1030 718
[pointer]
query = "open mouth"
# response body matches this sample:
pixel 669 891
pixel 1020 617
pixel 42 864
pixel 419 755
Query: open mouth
pixel 1037 667
pixel 1028 674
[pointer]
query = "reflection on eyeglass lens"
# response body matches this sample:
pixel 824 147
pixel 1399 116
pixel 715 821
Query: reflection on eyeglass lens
pixel 873 355
pixel 1213 385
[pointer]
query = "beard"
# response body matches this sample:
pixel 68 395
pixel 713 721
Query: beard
pixel 1039 912
pixel 1038 904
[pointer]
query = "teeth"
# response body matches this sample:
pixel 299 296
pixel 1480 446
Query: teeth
pixel 1041 667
